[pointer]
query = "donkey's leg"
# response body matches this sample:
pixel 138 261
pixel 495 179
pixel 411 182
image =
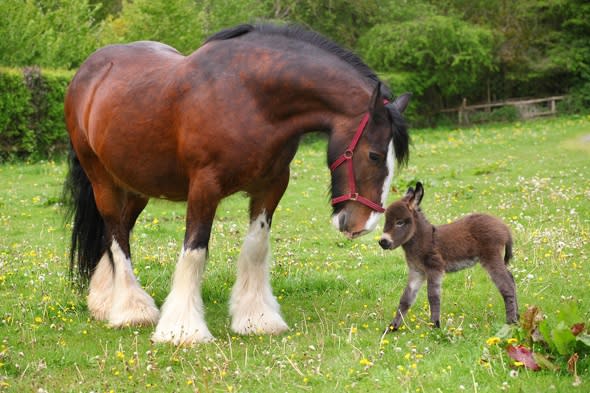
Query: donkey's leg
pixel 253 307
pixel 504 281
pixel 434 281
pixel 415 281
pixel 183 313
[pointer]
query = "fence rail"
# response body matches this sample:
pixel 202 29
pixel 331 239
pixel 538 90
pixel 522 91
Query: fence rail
pixel 527 109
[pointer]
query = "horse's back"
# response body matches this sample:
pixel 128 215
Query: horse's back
pixel 121 97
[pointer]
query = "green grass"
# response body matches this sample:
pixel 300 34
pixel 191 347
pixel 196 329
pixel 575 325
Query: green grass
pixel 337 295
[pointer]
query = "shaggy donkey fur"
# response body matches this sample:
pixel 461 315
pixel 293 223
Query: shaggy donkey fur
pixel 433 250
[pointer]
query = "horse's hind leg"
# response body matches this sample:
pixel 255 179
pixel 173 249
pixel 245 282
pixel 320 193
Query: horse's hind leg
pixel 114 293
pixel 504 281
pixel 253 307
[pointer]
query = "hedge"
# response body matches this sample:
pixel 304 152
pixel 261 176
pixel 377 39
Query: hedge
pixel 31 113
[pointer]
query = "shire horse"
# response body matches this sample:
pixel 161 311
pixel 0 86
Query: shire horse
pixel 147 122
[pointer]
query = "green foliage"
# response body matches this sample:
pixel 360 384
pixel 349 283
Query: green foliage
pixel 16 138
pixel 176 23
pixel 31 113
pixel 442 51
pixel 551 341
pixel 442 56
pixel 52 33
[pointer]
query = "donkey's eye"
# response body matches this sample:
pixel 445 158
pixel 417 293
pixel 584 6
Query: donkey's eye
pixel 375 157
pixel 400 223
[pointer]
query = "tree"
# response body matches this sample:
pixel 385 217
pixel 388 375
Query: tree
pixel 176 23
pixel 439 58
pixel 52 33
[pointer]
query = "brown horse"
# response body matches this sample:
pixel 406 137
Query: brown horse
pixel 146 121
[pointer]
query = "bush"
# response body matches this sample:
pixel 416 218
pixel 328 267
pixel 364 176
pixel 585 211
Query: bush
pixel 31 113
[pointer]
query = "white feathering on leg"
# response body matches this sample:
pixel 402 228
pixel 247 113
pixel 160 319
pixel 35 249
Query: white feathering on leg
pixel 131 305
pixel 183 314
pixel 253 307
pixel 100 294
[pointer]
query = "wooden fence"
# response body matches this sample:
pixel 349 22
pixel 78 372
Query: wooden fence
pixel 527 109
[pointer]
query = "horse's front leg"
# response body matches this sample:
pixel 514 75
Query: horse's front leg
pixel 253 307
pixel 182 319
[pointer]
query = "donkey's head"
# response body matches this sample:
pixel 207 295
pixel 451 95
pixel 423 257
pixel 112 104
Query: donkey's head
pixel 400 219
pixel 362 166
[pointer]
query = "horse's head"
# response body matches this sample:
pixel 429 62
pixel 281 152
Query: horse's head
pixel 362 167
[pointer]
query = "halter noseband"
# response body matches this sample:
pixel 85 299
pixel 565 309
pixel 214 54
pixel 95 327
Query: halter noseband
pixel 347 157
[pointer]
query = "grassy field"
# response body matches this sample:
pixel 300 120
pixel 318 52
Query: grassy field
pixel 337 295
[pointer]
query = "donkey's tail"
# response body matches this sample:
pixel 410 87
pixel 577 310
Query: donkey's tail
pixel 88 229
pixel 508 252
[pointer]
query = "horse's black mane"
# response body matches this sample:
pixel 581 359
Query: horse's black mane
pixel 401 138
pixel 299 33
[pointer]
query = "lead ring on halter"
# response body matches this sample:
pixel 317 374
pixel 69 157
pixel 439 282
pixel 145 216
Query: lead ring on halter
pixel 353 195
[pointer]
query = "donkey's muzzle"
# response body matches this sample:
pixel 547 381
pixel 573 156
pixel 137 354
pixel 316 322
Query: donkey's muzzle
pixel 385 244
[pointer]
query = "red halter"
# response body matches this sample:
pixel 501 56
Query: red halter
pixel 347 157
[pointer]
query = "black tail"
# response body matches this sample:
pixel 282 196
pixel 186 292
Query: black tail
pixel 88 230
pixel 508 254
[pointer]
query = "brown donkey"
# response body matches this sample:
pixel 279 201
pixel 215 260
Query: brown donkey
pixel 433 250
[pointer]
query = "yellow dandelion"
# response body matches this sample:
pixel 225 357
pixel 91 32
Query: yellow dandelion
pixel 492 341
pixel 365 362
pixel 512 340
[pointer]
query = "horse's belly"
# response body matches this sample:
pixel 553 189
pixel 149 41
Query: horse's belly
pixel 144 167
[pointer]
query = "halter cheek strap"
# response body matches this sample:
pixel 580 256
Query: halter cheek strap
pixel 347 157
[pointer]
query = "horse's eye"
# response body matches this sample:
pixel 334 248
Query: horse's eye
pixel 375 157
pixel 400 223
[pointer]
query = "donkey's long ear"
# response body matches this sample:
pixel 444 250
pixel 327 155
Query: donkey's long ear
pixel 419 193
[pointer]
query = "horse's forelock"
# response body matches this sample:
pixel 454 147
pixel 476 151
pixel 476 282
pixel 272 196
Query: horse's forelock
pixel 401 137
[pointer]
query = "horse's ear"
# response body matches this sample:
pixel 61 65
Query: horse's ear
pixel 419 193
pixel 377 103
pixel 401 102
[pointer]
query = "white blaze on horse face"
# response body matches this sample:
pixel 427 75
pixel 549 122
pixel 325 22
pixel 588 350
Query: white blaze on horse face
pixel 183 314
pixel 253 307
pixel 131 305
pixel 374 217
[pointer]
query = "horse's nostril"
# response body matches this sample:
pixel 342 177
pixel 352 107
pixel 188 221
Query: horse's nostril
pixel 342 221
pixel 385 244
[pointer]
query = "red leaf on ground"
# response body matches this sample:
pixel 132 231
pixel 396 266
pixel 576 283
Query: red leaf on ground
pixel 577 328
pixel 522 354
pixel 571 364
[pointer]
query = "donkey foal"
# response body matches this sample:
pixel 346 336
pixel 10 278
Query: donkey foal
pixel 433 250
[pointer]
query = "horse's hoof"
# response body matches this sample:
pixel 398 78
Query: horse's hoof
pixel 182 338
pixel 138 310
pixel 259 325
